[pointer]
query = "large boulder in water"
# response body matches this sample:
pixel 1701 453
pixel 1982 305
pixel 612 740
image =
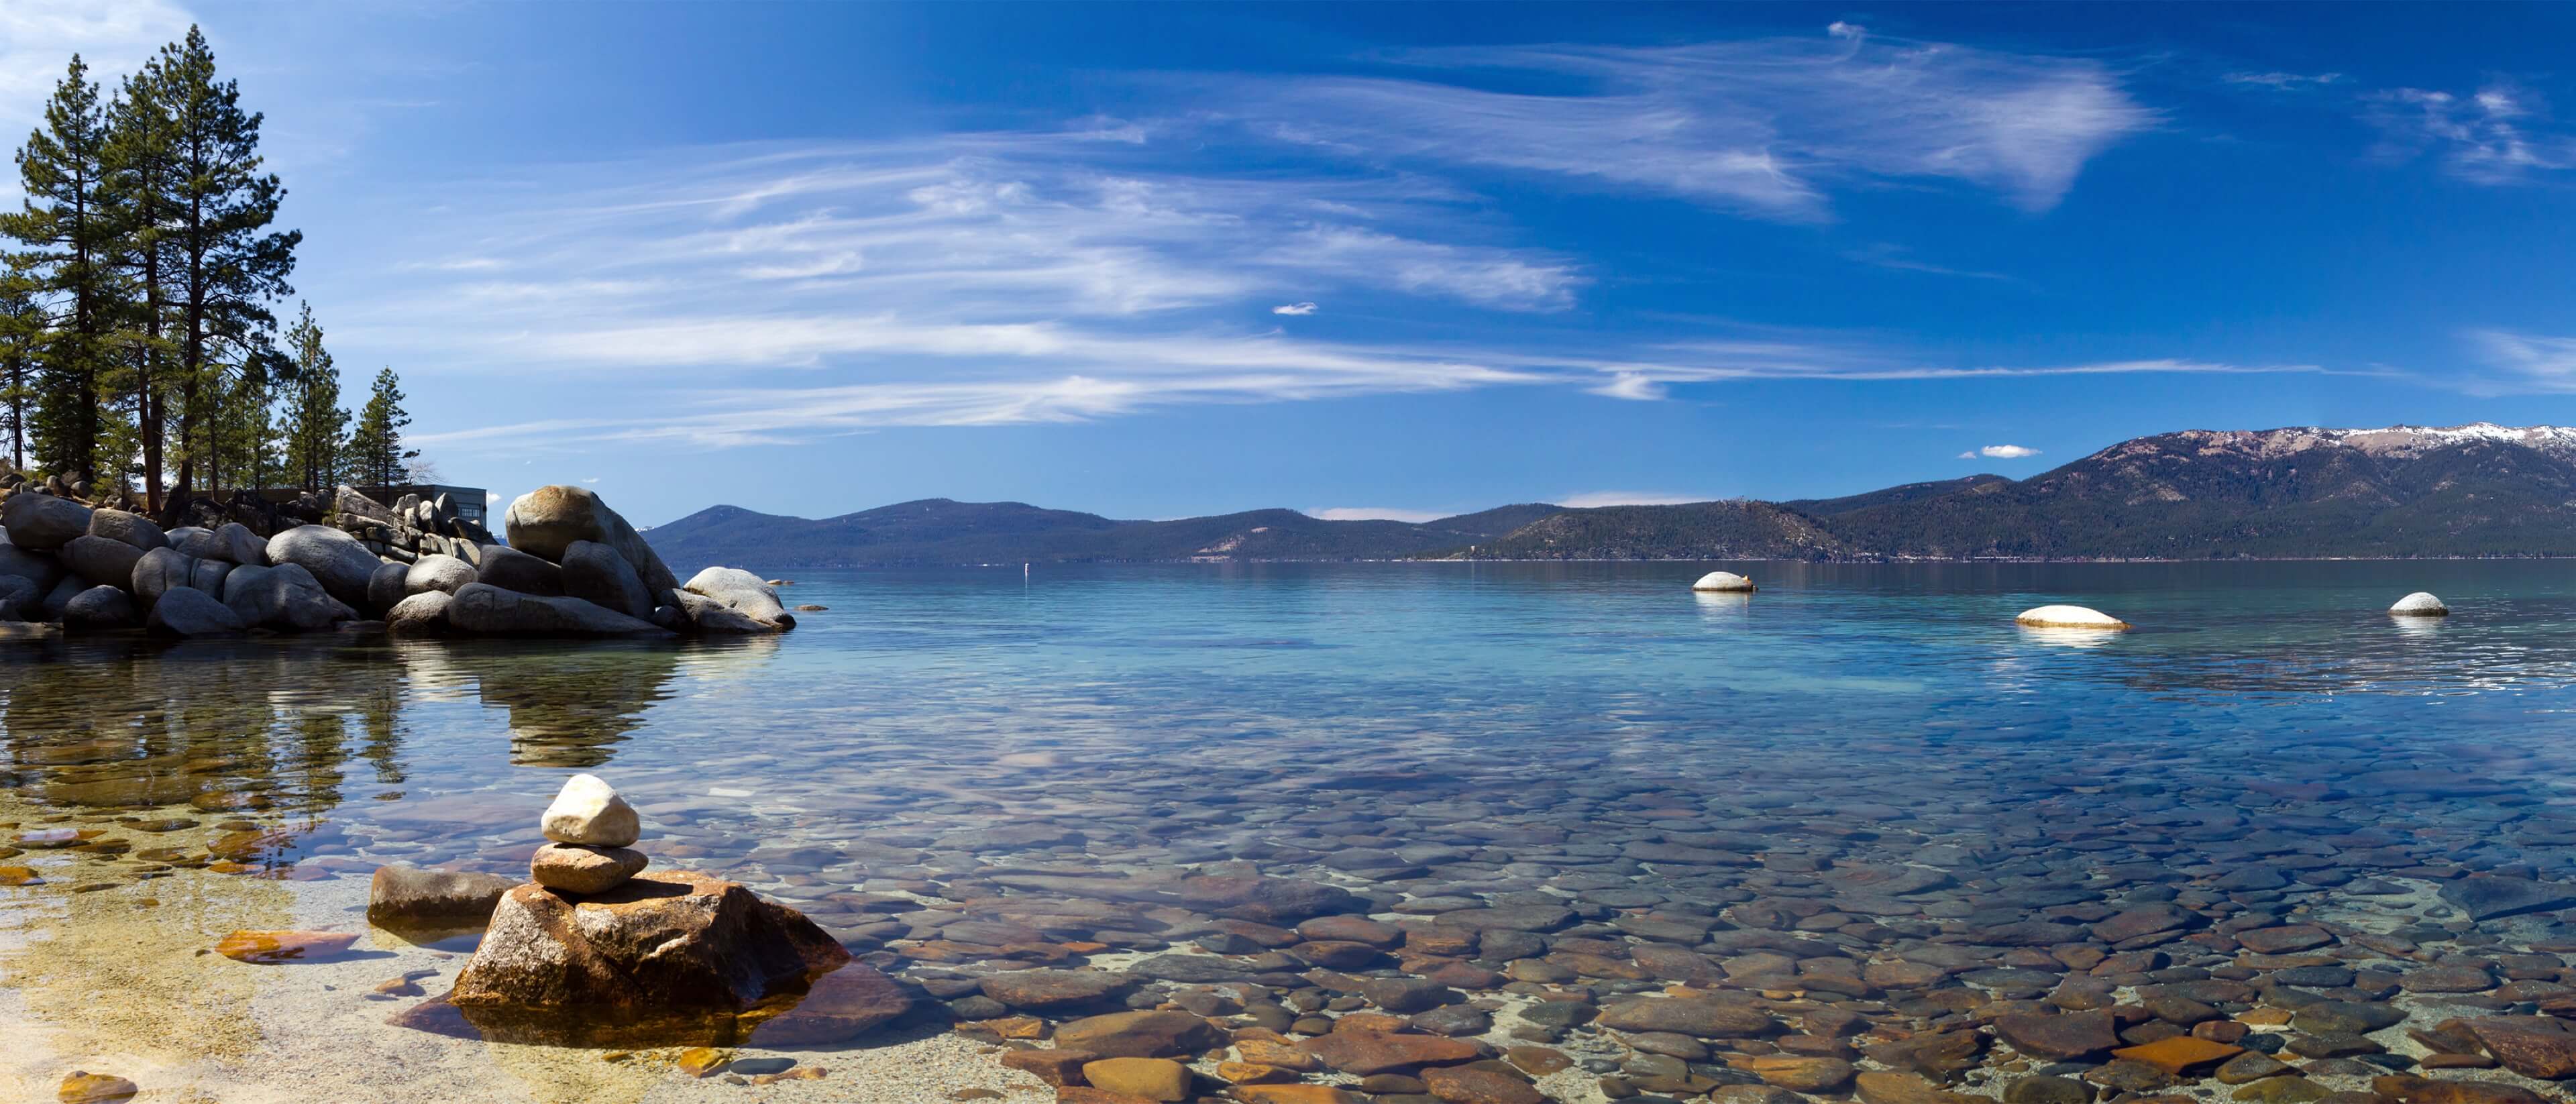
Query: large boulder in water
pixel 334 558
pixel 104 561
pixel 595 573
pixel 1723 581
pixel 2420 604
pixel 743 592
pixel 234 541
pixel 18 598
pixel 101 607
pixel 2068 617
pixel 422 614
pixel 285 597
pixel 674 950
pixel 443 574
pixel 705 615
pixel 43 522
pixel 187 611
pixel 133 529
pixel 40 568
pixel 385 587
pixel 160 571
pixel 544 522
pixel 511 569
pixel 489 610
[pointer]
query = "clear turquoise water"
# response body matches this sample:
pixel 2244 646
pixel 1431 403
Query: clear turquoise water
pixel 2268 748
pixel 919 690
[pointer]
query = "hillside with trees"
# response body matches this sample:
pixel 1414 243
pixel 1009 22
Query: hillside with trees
pixel 140 352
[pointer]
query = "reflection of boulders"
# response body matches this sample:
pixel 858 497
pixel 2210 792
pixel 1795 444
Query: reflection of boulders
pixel 568 704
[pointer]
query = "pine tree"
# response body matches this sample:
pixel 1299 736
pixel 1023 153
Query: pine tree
pixel 22 336
pixel 65 224
pixel 314 420
pixel 142 190
pixel 229 264
pixel 375 447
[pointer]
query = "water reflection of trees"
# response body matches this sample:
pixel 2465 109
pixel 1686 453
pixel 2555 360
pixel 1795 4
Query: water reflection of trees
pixel 272 726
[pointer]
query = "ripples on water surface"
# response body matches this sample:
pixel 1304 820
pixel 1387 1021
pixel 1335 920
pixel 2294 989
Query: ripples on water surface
pixel 1477 735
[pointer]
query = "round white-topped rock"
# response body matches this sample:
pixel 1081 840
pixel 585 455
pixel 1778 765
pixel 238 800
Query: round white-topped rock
pixel 2420 604
pixel 2068 617
pixel 588 811
pixel 1722 580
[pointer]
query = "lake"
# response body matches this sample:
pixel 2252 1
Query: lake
pixel 1860 789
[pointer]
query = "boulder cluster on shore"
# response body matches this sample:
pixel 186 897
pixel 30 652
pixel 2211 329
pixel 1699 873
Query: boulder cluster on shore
pixel 571 567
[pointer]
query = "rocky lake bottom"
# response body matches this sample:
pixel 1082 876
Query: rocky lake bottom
pixel 1400 833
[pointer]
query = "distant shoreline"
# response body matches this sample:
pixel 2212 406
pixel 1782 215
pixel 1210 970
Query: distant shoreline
pixel 1907 561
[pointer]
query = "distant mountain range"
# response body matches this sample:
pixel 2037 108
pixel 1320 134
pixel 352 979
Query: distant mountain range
pixel 2404 491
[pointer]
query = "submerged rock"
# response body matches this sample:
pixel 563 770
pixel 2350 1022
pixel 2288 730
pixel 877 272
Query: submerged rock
pixel 2068 617
pixel 406 899
pixel 2420 604
pixel 84 1087
pixel 264 947
pixel 1722 580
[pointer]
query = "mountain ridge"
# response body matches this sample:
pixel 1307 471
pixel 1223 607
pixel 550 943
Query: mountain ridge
pixel 2294 492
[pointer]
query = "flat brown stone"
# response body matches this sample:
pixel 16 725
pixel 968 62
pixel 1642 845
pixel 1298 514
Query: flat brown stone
pixel 264 947
pixel 1469 1085
pixel 1055 1067
pixel 2180 1053
pixel 1367 1052
pixel 1140 1035
pixel 2533 1046
pixel 1879 1087
pixel 2064 1037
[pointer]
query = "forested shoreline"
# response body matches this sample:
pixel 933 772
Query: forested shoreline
pixel 142 356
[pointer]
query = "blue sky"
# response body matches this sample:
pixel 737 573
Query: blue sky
pixel 1403 260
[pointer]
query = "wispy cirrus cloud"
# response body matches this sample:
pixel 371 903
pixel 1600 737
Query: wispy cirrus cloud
pixel 2501 134
pixel 2284 82
pixel 2523 363
pixel 1766 127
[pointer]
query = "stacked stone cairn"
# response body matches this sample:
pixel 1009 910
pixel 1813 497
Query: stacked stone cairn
pixel 591 834
pixel 571 567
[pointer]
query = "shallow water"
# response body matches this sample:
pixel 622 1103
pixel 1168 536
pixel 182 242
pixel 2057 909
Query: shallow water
pixel 1441 739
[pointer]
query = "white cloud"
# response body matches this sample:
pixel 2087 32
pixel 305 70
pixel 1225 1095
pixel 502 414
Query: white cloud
pixel 2500 135
pixel 1999 452
pixel 1636 386
pixel 1590 499
pixel 1299 310
pixel 2528 362
pixel 1373 513
pixel 592 479
pixel 1763 126
pixel 491 497
pixel 1840 29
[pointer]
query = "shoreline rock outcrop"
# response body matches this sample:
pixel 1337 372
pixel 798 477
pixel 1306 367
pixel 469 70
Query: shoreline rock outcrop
pixel 573 568
pixel 1723 581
